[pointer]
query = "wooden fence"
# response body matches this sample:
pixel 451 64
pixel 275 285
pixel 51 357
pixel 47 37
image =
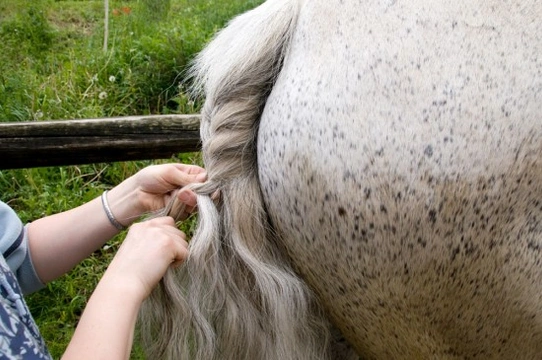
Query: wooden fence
pixel 74 142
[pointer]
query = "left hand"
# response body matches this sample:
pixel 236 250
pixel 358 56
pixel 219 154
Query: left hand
pixel 157 183
pixel 152 188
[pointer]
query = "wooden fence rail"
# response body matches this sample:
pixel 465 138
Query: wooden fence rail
pixel 74 142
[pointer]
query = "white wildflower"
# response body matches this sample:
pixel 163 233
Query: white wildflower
pixel 38 114
pixel 102 95
pixel 112 78
pixel 94 78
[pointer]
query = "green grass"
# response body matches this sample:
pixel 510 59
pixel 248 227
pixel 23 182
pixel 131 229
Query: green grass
pixel 52 66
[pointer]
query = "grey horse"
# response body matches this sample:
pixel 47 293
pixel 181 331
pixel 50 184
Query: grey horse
pixel 379 166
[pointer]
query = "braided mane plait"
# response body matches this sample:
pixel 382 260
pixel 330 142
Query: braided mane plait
pixel 236 297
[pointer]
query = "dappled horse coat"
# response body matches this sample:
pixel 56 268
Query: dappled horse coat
pixel 379 166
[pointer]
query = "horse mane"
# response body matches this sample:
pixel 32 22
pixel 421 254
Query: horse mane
pixel 236 297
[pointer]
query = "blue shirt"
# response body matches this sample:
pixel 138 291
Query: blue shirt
pixel 19 334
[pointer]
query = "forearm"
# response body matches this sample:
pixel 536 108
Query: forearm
pixel 58 242
pixel 106 328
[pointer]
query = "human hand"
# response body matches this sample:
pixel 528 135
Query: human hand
pixel 106 328
pixel 157 182
pixel 152 188
pixel 149 250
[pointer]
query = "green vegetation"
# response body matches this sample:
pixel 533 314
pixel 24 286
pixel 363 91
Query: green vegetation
pixel 52 66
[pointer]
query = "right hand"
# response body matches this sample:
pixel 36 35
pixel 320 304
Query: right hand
pixel 149 250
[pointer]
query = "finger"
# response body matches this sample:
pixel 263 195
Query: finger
pixel 190 169
pixel 175 176
pixel 176 234
pixel 181 252
pixel 192 172
pixel 187 197
pixel 162 220
pixel 179 179
pixel 168 224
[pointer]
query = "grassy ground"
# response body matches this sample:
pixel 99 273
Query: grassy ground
pixel 52 66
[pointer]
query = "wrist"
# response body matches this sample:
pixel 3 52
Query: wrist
pixel 124 203
pixel 110 216
pixel 129 289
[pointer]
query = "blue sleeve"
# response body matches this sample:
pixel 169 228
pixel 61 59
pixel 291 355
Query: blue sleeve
pixel 14 248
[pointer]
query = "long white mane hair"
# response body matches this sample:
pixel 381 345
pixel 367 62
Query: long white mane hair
pixel 236 297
